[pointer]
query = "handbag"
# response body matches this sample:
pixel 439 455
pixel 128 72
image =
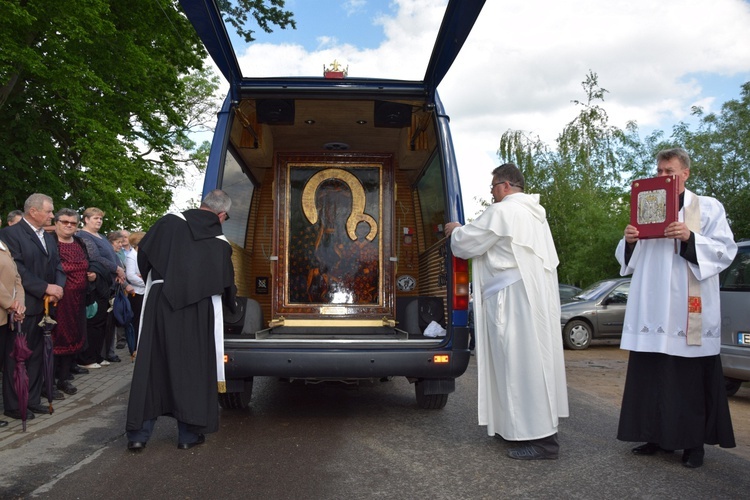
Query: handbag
pixel 121 309
pixel 92 309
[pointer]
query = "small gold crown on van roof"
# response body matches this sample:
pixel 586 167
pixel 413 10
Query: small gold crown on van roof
pixel 335 70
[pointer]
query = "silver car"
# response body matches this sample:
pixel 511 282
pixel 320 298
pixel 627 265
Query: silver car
pixel 735 319
pixel 597 312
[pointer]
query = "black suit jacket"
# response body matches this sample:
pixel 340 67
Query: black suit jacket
pixel 37 267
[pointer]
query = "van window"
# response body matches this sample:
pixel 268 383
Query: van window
pixel 240 189
pixel 737 276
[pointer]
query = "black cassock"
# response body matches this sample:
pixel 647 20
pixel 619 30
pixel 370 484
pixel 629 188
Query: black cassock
pixel 175 371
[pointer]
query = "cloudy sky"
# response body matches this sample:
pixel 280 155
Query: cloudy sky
pixel 525 60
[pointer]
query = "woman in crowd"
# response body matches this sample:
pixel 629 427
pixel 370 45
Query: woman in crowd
pixel 103 262
pixel 12 307
pixel 135 279
pixel 70 333
pixel 115 239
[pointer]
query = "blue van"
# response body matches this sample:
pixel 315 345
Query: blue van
pixel 340 190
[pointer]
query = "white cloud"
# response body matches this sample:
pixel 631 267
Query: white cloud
pixel 525 60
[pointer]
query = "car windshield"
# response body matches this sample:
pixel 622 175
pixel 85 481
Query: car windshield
pixel 595 290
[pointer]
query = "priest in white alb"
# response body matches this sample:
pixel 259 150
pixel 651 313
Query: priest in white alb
pixel 674 396
pixel 521 370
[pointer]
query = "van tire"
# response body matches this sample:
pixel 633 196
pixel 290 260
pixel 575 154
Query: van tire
pixel 429 401
pixel 237 400
pixel 732 385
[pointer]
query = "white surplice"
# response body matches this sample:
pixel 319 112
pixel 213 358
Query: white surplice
pixel 521 370
pixel 656 316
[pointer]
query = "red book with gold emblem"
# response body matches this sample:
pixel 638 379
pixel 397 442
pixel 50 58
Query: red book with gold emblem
pixel 654 204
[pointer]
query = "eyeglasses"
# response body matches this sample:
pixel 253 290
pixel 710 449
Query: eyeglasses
pixel 68 222
pixel 226 216
pixel 492 186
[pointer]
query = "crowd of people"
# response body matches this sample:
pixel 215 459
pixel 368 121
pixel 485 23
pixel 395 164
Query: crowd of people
pixel 179 274
pixel 64 260
pixel 62 257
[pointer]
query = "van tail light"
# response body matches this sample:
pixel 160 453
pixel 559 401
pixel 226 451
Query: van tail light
pixel 460 284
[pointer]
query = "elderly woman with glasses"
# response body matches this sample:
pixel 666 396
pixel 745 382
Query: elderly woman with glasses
pixel 106 265
pixel 69 335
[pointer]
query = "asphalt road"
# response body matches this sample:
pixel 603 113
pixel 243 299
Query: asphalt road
pixel 336 442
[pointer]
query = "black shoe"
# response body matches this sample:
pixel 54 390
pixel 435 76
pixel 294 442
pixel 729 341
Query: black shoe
pixel 71 377
pixel 187 446
pixel 17 414
pixel 114 359
pixel 531 452
pixel 649 449
pixel 40 409
pixel 136 445
pixel 56 395
pixel 78 370
pixel 692 458
pixel 120 344
pixel 67 387
pixel 3 423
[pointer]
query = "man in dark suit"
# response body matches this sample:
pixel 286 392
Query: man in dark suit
pixel 38 262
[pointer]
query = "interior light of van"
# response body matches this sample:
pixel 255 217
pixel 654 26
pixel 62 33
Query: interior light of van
pixel 460 284
pixel 226 358
pixel 441 358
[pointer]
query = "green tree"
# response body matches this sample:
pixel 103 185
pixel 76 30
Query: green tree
pixel 582 184
pixel 720 155
pixel 98 98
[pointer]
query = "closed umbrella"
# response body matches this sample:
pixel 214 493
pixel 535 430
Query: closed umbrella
pixel 48 324
pixel 20 354
pixel 130 339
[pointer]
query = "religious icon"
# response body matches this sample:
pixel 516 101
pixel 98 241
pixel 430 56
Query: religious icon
pixel 334 243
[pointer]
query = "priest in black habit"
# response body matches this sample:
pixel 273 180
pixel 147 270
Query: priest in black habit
pixel 186 263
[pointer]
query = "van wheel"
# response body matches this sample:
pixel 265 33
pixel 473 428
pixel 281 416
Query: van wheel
pixel 429 401
pixel 732 385
pixel 577 335
pixel 237 400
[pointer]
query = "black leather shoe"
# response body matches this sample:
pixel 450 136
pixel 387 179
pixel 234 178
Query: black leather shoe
pixel 67 387
pixel 531 452
pixel 56 395
pixel 136 445
pixel 3 423
pixel 17 414
pixel 187 446
pixel 692 458
pixel 120 344
pixel 649 449
pixel 40 409
pixel 78 370
pixel 114 359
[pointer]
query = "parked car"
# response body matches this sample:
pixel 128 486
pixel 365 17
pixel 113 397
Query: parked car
pixel 597 312
pixel 567 292
pixel 734 284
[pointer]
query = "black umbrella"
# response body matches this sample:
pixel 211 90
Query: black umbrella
pixel 20 354
pixel 48 324
pixel 131 340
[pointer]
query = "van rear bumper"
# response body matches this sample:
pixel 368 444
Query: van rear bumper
pixel 343 364
pixel 315 360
